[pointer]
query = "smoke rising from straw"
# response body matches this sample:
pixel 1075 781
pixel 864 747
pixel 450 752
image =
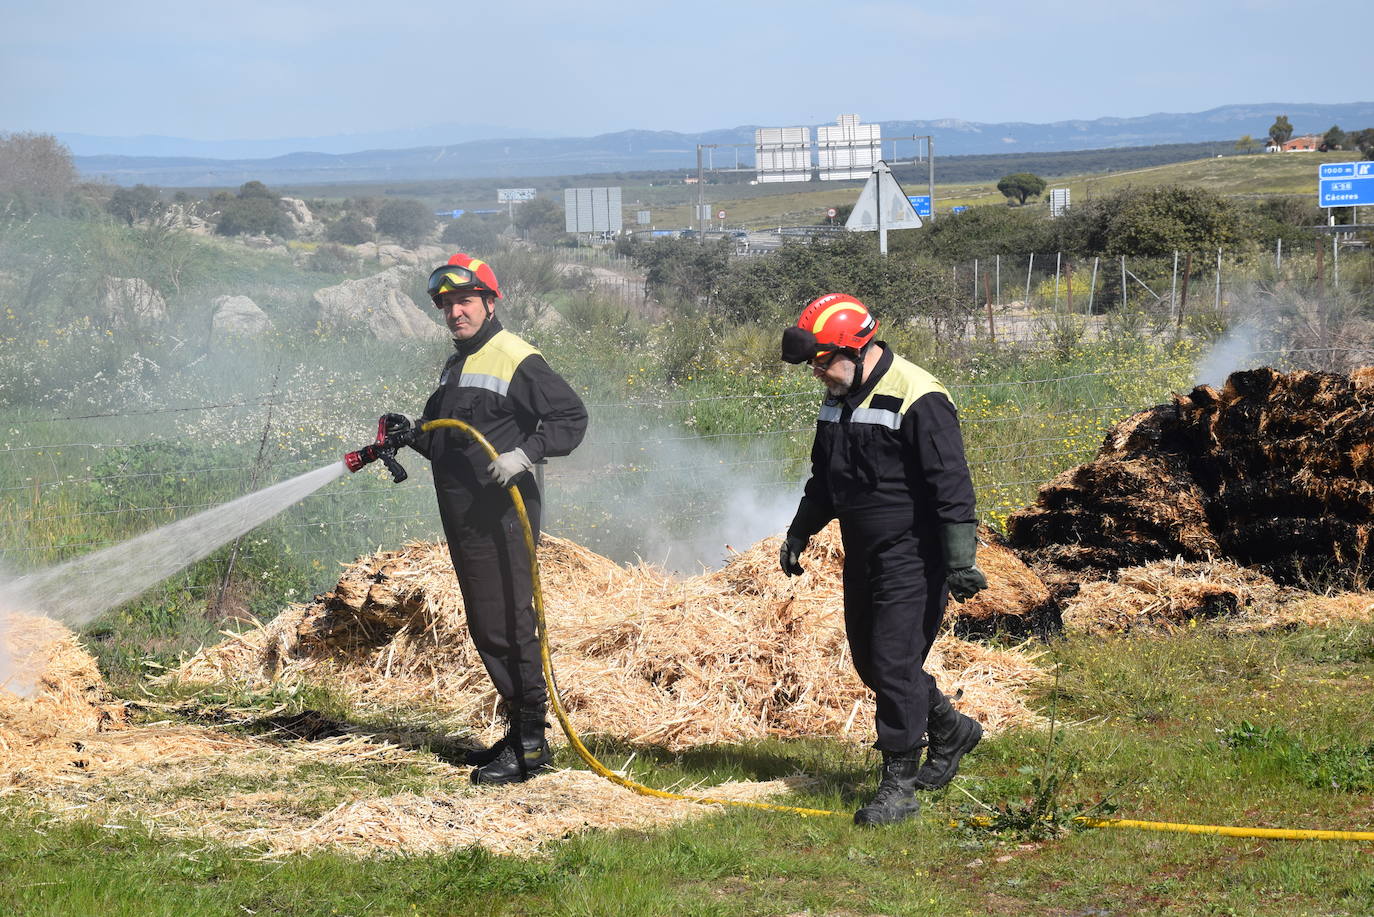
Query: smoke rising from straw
pixel 81 589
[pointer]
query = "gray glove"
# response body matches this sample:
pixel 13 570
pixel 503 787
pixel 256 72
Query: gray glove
pixel 961 549
pixel 789 555
pixel 508 465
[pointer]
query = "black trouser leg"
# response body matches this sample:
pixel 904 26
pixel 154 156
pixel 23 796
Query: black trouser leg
pixel 894 599
pixel 493 567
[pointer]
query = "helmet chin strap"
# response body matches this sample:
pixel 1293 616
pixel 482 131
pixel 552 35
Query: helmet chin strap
pixel 859 367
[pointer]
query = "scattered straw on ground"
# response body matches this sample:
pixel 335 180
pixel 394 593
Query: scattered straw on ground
pixel 68 746
pixel 737 654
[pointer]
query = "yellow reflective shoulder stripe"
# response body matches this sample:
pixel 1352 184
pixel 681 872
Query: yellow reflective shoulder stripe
pixel 905 382
pixel 493 367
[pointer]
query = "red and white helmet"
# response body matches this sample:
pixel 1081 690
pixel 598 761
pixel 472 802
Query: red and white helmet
pixel 836 321
pixel 463 273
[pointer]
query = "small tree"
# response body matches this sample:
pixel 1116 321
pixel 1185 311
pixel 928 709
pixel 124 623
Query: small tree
pixel 350 230
pixel 36 172
pixel 1333 139
pixel 255 209
pixel 133 204
pixel 1021 185
pixel 1281 131
pixel 1363 141
pixel 540 220
pixel 405 219
pixel 1246 144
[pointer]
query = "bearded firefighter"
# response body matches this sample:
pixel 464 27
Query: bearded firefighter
pixel 888 462
pixel 504 388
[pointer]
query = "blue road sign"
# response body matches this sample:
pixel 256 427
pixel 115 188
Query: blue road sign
pixel 1345 184
pixel 451 214
pixel 960 209
pixel 921 202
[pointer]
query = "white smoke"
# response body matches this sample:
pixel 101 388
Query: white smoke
pixel 1231 352
pixel 671 499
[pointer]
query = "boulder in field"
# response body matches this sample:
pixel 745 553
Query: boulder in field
pixel 377 305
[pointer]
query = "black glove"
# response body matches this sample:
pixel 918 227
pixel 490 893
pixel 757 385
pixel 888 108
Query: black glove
pixel 398 428
pixel 961 549
pixel 789 555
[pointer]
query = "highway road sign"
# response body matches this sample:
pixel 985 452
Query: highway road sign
pixel 1345 184
pixel 921 203
pixel 720 214
pixel 510 195
pixel 959 209
pixel 830 213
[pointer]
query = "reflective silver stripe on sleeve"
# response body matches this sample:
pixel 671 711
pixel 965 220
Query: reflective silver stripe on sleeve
pixel 830 413
pixel 890 419
pixel 481 380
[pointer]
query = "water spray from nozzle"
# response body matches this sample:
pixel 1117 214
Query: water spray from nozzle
pixel 393 432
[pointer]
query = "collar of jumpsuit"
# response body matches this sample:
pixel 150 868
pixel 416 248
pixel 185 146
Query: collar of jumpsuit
pixel 473 344
pixel 870 377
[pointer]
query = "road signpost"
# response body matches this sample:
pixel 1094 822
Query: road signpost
pixel 1345 184
pixel 920 203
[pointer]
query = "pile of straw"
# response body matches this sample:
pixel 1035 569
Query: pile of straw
pixel 1168 595
pixel 1274 470
pixel 736 654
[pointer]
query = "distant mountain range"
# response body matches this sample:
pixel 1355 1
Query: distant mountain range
pixel 636 151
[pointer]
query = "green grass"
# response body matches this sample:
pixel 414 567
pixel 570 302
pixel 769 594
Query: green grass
pixel 1201 728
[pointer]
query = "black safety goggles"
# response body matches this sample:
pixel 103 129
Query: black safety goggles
pixel 450 278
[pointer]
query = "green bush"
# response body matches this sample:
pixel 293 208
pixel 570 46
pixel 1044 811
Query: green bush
pixel 406 220
pixel 350 230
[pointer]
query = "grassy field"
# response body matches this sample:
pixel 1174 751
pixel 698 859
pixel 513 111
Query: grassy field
pixel 1259 730
pixel 1239 176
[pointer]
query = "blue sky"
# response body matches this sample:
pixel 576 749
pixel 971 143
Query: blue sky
pixel 249 69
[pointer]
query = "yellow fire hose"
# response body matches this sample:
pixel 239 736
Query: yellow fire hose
pixel 556 703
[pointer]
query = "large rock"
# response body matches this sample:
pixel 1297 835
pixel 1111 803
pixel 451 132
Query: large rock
pixel 377 304
pixel 130 301
pixel 238 316
pixel 297 212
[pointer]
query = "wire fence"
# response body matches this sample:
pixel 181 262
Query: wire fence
pixel 1052 299
pixel 641 485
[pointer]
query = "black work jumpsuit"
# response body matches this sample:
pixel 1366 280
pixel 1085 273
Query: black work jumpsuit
pixel 504 388
pixel 888 462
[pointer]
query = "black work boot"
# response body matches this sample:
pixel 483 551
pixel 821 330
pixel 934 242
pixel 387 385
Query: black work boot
pixel 896 797
pixel 951 735
pixel 480 757
pixel 526 755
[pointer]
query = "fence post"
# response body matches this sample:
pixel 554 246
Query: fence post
pixel 1278 254
pixel 975 281
pixel 1123 282
pixel 987 297
pixel 1216 304
pixel 1335 264
pixel 1068 284
pixel 1183 303
pixel 1029 266
pixel 999 280
pixel 1057 257
pixel 1173 287
pixel 1092 287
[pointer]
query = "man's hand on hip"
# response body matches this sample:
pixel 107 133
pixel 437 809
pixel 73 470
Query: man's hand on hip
pixel 508 465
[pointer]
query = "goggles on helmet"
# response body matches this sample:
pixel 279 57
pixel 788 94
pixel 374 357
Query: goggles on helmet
pixel 450 278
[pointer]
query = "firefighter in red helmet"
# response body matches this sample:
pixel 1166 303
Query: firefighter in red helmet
pixel 503 387
pixel 888 462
